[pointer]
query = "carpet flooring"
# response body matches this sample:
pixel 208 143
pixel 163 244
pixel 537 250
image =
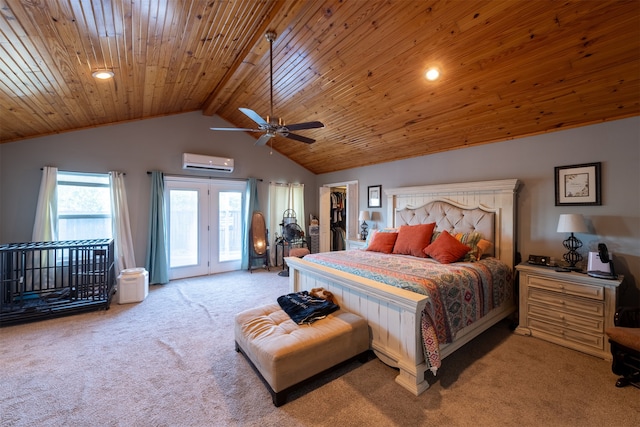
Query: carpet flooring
pixel 170 361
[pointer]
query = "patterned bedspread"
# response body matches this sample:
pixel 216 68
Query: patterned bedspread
pixel 459 293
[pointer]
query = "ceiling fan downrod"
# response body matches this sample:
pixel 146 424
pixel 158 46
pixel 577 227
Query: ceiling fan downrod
pixel 271 36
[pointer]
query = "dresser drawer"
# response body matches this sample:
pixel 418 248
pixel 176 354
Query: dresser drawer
pixel 568 335
pixel 565 319
pixel 569 288
pixel 562 301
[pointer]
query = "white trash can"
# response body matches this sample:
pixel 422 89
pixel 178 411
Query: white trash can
pixel 133 285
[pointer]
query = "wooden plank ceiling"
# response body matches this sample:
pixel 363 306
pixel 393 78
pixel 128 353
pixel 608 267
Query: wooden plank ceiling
pixel 510 68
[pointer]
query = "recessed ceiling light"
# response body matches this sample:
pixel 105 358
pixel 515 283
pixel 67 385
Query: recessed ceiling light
pixel 432 74
pixel 102 74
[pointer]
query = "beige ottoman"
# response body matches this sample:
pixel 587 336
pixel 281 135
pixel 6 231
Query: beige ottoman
pixel 285 354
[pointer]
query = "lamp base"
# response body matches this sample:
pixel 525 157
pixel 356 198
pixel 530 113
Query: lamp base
pixel 572 257
pixel 363 230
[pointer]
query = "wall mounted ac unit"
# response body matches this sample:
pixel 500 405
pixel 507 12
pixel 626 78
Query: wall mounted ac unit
pixel 208 163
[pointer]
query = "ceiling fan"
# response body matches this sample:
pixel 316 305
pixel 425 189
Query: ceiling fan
pixel 272 127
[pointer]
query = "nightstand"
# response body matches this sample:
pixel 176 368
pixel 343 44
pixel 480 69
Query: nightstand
pixel 567 308
pixel 356 244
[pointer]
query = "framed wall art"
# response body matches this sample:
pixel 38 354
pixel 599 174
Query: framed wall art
pixel 578 185
pixel 375 196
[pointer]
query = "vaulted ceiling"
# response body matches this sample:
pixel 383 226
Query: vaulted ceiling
pixel 509 69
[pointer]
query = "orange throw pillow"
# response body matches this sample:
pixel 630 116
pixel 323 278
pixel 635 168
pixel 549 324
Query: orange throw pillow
pixel 383 242
pixel 483 247
pixel 412 239
pixel 446 249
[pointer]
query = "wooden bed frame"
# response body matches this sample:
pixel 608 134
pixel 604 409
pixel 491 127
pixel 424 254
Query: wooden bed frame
pixel 393 314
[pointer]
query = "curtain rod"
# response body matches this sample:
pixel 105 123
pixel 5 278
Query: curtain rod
pixel 102 173
pixel 285 183
pixel 211 177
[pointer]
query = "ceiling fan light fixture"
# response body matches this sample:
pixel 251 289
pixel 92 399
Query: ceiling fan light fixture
pixel 432 74
pixel 103 74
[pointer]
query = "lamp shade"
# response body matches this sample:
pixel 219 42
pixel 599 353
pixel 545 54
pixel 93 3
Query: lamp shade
pixel 571 223
pixel 364 216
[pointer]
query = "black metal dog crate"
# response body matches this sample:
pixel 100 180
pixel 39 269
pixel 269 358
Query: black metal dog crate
pixel 46 279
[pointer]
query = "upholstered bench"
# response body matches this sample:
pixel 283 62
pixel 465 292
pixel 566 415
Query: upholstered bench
pixel 286 354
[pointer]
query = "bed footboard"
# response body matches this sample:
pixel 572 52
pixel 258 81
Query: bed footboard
pixel 393 316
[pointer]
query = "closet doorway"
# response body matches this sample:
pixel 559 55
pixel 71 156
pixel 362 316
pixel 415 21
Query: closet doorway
pixel 348 217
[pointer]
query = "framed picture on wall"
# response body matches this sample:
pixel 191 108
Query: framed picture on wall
pixel 375 196
pixel 578 185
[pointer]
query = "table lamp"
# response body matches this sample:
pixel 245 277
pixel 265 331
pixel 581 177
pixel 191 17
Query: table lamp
pixel 572 223
pixel 364 217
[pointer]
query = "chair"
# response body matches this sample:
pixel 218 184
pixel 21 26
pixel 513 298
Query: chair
pixel 625 346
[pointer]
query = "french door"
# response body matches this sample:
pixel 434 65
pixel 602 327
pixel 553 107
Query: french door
pixel 204 220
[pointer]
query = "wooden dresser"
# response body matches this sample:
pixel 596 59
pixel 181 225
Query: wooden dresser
pixel 569 309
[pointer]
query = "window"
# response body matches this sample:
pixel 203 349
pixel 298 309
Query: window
pixel 84 206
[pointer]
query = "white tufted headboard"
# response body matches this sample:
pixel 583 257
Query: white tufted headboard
pixel 451 217
pixel 488 207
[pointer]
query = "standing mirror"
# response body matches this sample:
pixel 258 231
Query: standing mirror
pixel 259 239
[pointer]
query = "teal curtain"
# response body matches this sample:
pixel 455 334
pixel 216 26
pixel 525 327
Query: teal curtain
pixel 251 205
pixel 157 255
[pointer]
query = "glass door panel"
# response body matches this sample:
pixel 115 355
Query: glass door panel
pixel 187 223
pixel 183 228
pixel 227 199
pixel 230 226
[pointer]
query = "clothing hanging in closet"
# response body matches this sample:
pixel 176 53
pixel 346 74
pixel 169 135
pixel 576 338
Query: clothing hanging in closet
pixel 338 220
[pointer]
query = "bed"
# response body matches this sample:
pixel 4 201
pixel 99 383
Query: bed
pixel 395 314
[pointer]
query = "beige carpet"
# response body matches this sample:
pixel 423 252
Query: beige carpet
pixel 170 361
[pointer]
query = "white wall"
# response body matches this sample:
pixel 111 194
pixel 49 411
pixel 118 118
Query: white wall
pixel 134 148
pixel 532 160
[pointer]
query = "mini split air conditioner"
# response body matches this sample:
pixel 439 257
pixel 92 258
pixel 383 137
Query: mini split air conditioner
pixel 207 163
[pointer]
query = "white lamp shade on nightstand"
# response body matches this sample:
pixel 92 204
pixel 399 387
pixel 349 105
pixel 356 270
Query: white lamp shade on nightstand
pixel 571 223
pixel 364 216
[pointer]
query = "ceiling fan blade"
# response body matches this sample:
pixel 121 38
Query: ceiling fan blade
pixel 254 116
pixel 306 125
pixel 299 138
pixel 264 139
pixel 240 129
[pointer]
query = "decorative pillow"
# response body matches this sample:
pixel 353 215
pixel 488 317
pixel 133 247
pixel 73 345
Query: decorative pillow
pixel 483 247
pixel 382 242
pixel 412 239
pixel 471 240
pixel 446 249
pixel 378 230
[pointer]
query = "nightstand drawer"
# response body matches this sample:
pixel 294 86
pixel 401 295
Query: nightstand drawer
pixel 564 302
pixel 356 244
pixel 585 339
pixel 566 320
pixel 569 288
